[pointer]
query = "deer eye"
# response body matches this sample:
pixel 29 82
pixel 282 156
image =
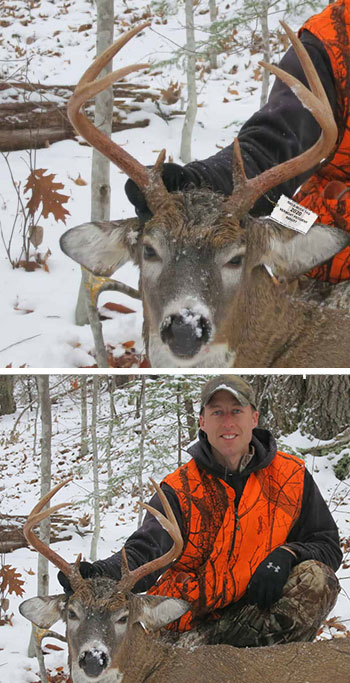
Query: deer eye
pixel 149 254
pixel 235 261
pixel 72 614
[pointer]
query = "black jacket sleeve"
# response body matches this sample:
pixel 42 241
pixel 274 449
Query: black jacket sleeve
pixel 281 130
pixel 315 535
pixel 147 543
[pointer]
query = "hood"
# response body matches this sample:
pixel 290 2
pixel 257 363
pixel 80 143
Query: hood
pixel 264 446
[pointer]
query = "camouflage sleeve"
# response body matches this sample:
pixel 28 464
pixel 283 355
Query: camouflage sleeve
pixel 147 543
pixel 280 130
pixel 315 535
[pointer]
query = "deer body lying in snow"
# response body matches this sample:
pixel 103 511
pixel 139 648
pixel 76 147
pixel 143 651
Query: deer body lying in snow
pixel 111 631
pixel 207 298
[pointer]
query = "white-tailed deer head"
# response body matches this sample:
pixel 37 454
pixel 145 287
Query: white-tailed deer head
pixel 102 615
pixel 202 256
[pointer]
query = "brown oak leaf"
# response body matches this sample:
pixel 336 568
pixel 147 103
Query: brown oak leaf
pixel 45 191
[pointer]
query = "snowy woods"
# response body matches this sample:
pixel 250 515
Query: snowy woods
pixel 111 435
pixel 47 186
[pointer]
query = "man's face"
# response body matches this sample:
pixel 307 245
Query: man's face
pixel 228 427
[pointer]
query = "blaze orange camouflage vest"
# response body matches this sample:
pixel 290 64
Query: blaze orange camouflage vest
pixel 327 192
pixel 223 544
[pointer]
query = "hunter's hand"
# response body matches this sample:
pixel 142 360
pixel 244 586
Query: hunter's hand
pixel 175 177
pixel 87 570
pixel 266 585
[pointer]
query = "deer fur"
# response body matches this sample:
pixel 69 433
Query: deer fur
pixel 122 630
pixel 249 320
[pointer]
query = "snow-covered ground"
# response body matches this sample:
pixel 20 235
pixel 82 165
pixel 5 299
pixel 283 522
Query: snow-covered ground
pixel 20 475
pixel 44 40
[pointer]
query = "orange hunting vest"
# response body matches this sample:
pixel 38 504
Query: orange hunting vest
pixel 327 192
pixel 223 544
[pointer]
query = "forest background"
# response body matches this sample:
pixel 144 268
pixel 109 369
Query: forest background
pixel 111 433
pixel 45 45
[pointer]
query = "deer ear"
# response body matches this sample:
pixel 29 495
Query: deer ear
pixel 44 611
pixel 102 246
pixel 158 611
pixel 301 253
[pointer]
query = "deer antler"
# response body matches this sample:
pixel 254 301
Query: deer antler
pixel 37 515
pixel 148 180
pixel 246 192
pixel 130 578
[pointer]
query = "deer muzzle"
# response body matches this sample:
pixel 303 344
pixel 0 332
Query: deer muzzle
pixel 93 662
pixel 185 332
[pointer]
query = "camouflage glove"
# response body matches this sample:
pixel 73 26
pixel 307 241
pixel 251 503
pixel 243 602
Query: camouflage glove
pixel 87 570
pixel 175 177
pixel 266 585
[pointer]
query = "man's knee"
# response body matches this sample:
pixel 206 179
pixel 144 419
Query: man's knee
pixel 313 583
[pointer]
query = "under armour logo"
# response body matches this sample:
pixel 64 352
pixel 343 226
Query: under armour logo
pixel 272 566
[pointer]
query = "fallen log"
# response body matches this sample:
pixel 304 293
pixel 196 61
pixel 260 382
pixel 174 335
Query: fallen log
pixel 33 116
pixel 11 531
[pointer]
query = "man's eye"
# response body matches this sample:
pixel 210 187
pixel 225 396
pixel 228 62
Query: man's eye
pixel 235 261
pixel 149 253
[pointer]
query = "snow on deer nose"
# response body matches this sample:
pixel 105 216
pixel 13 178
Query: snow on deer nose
pixel 93 661
pixel 185 332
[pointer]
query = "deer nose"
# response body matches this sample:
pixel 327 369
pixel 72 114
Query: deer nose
pixel 93 662
pixel 185 332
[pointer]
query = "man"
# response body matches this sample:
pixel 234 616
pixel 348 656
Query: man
pixel 260 545
pixel 284 128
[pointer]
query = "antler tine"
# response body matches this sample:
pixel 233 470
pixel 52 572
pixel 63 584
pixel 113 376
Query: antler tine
pixel 130 578
pixel 37 515
pixel 89 87
pixel 96 67
pixel 246 192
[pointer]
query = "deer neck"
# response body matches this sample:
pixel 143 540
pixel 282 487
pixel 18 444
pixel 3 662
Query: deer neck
pixel 275 325
pixel 152 656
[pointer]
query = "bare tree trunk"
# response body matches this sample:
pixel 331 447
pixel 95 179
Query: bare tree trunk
pixel 100 185
pixel 35 434
pixel 179 426
pixel 97 524
pixel 192 424
pixel 191 111
pixel 45 443
pixel 112 416
pixel 84 441
pixel 7 401
pixel 44 534
pixel 266 51
pixel 213 58
pixel 326 410
pixel 142 446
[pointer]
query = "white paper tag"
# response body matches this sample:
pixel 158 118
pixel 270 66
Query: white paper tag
pixel 293 215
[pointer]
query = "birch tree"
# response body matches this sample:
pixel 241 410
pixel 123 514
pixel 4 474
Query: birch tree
pixel 84 441
pixel 100 183
pixel 191 111
pixel 44 532
pixel 265 34
pixel 213 56
pixel 142 445
pixel 112 418
pixel 97 523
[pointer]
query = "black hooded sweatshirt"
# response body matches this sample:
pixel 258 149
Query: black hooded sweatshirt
pixel 313 537
pixel 280 130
